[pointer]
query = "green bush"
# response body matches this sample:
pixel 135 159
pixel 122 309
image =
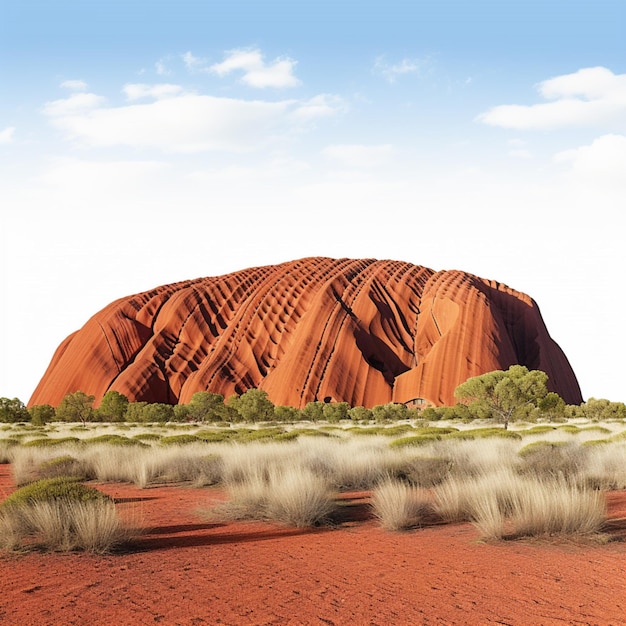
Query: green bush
pixel 65 465
pixel 416 440
pixel 482 433
pixel 147 437
pixel 43 443
pixel 216 436
pixel 426 472
pixel 180 439
pixel 50 489
pixel 114 440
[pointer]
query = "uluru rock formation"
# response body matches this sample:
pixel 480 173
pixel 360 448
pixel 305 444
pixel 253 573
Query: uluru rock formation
pixel 361 331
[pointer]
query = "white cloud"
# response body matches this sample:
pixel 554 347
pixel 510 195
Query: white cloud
pixel 603 161
pixel 186 122
pixel 161 69
pixel 256 72
pixel 78 103
pixel 392 71
pixel 6 135
pixel 75 85
pixel 322 105
pixel 356 155
pixel 139 91
pixel 589 97
pixel 193 62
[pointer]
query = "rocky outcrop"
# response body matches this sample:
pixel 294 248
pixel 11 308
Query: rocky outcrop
pixel 362 331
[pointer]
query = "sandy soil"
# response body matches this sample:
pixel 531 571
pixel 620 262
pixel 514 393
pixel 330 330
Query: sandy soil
pixel 185 570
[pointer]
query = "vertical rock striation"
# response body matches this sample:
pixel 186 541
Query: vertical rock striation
pixel 361 331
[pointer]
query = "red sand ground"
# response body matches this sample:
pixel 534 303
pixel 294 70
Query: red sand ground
pixel 185 570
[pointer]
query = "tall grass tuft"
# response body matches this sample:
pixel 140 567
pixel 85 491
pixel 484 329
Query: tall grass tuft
pixel 293 496
pixel 504 503
pixel 399 506
pixel 61 514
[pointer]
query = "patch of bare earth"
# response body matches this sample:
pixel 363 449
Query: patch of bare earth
pixel 186 570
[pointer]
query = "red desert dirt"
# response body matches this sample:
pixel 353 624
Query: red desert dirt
pixel 187 570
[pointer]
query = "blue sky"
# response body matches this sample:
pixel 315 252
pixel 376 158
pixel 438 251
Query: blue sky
pixel 143 143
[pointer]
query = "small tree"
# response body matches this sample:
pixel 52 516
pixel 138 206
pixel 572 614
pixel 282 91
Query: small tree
pixel 205 406
pixel 601 409
pixel 41 414
pixel 360 414
pixel 503 395
pixel 552 406
pixel 76 407
pixel 158 412
pixel 335 411
pixel 391 411
pixel 288 414
pixel 113 407
pixel 255 406
pixel 313 412
pixel 13 410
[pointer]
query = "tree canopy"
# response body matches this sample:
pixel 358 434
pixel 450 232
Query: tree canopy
pixel 504 395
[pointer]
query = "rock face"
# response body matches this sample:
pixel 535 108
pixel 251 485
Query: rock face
pixel 361 331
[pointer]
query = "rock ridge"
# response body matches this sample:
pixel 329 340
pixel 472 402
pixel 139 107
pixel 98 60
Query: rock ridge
pixel 363 331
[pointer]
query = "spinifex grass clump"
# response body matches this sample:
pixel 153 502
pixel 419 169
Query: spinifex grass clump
pixel 503 504
pixel 399 506
pixel 60 514
pixel 293 496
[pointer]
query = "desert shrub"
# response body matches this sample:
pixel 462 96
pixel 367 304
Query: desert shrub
pixel 45 442
pixel 147 437
pixel 605 467
pixel 61 514
pixel 258 435
pixel 480 433
pixel 5 449
pixel 552 460
pixel 65 465
pixel 502 504
pixel 456 498
pixel 216 435
pixel 557 508
pixel 114 440
pixel 47 489
pixel 399 506
pixel 292 496
pixel 299 498
pixel 302 432
pixel 425 472
pixel 179 439
pixel 538 430
pixel 348 465
pixel 416 440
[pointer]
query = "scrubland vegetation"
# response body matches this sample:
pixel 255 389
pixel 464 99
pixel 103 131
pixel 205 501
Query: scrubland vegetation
pixel 538 479
pixel 543 471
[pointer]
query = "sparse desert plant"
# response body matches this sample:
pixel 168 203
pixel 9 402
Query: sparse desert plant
pixel 505 503
pixel 61 514
pixel 291 496
pixel 425 472
pixel 65 465
pixel 179 439
pixel 299 498
pixel 415 440
pixel 399 506
pixel 6 446
pixel 556 507
pixel 553 460
pixel 350 464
